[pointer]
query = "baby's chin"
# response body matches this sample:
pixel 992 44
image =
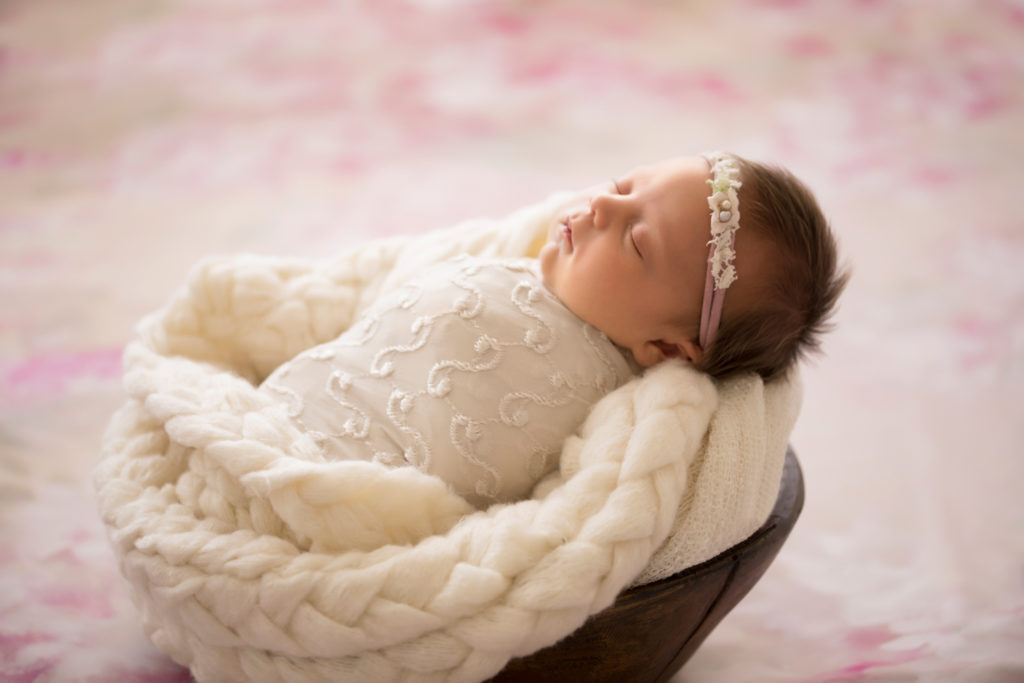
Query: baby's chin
pixel 547 256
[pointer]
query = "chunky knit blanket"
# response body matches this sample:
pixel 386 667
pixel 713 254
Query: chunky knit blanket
pixel 252 558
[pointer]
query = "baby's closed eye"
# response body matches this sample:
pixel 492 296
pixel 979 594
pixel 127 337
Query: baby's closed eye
pixel 635 240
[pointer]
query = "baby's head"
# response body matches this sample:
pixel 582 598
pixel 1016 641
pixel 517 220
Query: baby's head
pixel 639 264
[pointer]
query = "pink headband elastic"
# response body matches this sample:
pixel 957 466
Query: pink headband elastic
pixel 724 203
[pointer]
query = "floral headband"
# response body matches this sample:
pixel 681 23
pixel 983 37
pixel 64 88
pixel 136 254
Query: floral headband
pixel 724 203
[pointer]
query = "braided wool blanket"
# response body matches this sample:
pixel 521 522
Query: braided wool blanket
pixel 252 558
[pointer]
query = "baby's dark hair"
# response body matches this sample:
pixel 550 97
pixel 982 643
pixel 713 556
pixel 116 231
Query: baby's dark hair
pixel 803 289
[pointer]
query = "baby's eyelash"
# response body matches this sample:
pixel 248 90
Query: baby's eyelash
pixel 615 184
pixel 632 238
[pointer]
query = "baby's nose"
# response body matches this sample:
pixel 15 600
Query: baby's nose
pixel 605 208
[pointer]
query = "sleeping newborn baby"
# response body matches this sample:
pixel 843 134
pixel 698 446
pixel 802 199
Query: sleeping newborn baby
pixel 479 369
pixel 474 372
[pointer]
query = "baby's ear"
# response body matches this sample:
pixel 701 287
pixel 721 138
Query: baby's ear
pixel 654 351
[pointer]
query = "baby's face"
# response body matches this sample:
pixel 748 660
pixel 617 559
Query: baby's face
pixel 633 263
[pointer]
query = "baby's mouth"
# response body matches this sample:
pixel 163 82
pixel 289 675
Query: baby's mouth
pixel 567 231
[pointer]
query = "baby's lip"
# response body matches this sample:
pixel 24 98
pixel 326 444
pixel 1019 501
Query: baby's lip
pixel 567 231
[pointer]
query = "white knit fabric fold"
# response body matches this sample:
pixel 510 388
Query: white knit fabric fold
pixel 252 558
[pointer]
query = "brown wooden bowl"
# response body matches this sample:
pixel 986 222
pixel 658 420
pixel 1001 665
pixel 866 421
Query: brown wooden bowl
pixel 651 630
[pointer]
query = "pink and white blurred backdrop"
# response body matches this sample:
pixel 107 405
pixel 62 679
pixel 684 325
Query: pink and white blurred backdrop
pixel 136 137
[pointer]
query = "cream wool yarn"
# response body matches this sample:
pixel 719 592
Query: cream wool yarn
pixel 251 558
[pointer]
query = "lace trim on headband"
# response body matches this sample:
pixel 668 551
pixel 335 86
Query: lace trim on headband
pixel 725 217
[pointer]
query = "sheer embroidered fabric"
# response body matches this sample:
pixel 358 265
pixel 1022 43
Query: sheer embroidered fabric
pixel 473 372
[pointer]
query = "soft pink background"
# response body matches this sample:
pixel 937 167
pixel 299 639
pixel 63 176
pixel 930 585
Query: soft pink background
pixel 136 137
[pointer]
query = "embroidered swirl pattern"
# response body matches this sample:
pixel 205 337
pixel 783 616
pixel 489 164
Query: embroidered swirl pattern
pixel 474 372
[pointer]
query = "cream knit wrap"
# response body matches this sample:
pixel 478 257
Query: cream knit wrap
pixel 251 558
